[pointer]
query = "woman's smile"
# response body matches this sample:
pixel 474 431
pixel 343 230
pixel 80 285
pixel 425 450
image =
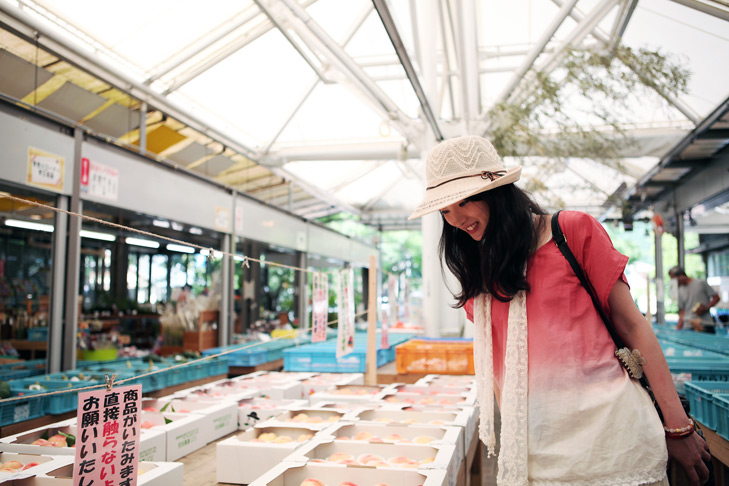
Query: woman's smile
pixel 469 216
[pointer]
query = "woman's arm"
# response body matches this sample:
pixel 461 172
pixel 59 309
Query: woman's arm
pixel 635 331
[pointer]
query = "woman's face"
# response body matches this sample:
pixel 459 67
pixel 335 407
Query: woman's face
pixel 469 216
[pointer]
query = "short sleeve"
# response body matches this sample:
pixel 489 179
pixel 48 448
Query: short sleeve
pixel 468 307
pixel 602 263
pixel 710 292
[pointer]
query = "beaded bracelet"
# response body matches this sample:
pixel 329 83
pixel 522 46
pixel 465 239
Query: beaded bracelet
pixel 681 433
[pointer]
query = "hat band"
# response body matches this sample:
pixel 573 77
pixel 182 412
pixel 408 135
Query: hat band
pixel 486 174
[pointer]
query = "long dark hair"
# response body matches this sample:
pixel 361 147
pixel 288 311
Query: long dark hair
pixel 496 263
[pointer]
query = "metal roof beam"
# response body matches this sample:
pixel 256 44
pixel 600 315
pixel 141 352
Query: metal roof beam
pixel 320 42
pixel 388 22
pixel 355 151
pixel 719 13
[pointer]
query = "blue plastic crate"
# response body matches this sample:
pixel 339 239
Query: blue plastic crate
pixel 325 360
pixel 38 334
pixel 700 395
pixel 54 404
pixel 20 410
pixel 721 402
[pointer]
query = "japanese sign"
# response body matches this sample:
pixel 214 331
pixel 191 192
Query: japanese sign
pixel 99 180
pixel 107 440
pixel 45 170
pixel 345 311
pixel 319 307
pixel 221 220
pixel 406 301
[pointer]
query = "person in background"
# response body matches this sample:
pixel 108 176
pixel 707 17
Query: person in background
pixel 570 413
pixel 697 297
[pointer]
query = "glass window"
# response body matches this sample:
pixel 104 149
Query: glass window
pixel 132 276
pixel 158 288
pixel 143 279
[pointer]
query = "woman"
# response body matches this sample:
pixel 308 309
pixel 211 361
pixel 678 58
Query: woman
pixel 571 415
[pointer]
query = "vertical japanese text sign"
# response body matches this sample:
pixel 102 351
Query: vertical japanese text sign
pixel 107 437
pixel 345 312
pixel 319 307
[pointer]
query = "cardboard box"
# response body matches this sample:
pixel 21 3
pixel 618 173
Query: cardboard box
pixel 151 474
pixel 325 381
pixel 293 474
pixel 447 380
pixel 409 456
pixel 264 409
pixel 43 463
pixel 222 391
pixel 308 417
pixel 240 459
pixel 431 401
pixel 184 434
pixel 398 434
pixel 274 388
pixel 219 418
pixel 152 444
pixel 350 393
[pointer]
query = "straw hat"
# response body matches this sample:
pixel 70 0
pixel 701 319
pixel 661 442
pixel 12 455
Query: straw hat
pixel 459 168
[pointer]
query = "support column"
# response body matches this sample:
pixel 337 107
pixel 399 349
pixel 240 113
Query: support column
pixel 680 230
pixel 660 289
pixel 437 299
pixel 73 259
pixel 226 289
pixel 58 287
pixel 301 291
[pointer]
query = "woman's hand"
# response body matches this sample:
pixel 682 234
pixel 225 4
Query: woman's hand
pixel 692 453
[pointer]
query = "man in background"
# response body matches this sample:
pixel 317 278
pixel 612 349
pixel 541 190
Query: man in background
pixel 695 298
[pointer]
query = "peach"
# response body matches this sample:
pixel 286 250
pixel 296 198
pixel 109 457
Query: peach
pixel 282 439
pixel 58 441
pixel 11 466
pixel 376 440
pixel 391 400
pixel 183 410
pixel 338 456
pixel 30 464
pixel 404 441
pixel 384 420
pixel 315 420
pixel 267 437
pixel 436 422
pixel 382 484
pixel 147 424
pixel 41 442
pixel 347 483
pixel 427 460
pixel 317 460
pixel 302 417
pixel 311 482
pixel 363 436
pixel 393 437
pixel 399 460
pixel 367 458
pixel 149 409
pixel 377 464
pixel 423 439
pixel 409 421
pixel 304 437
pixel 348 461
pixel 343 437
pixel 333 418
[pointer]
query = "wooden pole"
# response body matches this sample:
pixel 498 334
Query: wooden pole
pixel 371 360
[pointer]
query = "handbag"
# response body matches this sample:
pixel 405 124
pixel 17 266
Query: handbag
pixel 632 361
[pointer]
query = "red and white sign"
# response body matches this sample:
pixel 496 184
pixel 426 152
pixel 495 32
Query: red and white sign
pixel 107 442
pixel 345 312
pixel 99 180
pixel 319 307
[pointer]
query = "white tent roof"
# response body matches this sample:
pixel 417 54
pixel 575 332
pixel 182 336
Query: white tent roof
pixel 315 93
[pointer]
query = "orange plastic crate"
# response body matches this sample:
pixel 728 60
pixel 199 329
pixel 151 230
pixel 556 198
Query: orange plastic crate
pixel 447 357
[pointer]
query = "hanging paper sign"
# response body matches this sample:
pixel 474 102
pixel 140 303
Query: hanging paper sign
pixel 406 301
pixel 319 307
pixel 345 312
pixel 393 290
pixel 45 170
pixel 99 180
pixel 221 221
pixel 107 440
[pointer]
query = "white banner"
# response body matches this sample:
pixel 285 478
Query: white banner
pixel 345 312
pixel 99 180
pixel 319 307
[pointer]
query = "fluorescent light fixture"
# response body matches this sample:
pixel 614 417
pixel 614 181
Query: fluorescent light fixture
pixel 205 252
pixel 17 223
pixel 238 258
pixel 141 242
pixel 195 231
pixel 94 235
pixel 160 223
pixel 177 226
pixel 180 248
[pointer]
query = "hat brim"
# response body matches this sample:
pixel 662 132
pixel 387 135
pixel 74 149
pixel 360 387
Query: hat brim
pixel 454 191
